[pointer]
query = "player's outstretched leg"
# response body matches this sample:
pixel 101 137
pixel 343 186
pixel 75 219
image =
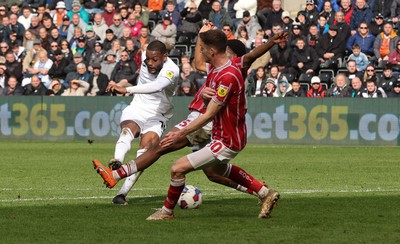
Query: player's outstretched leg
pixel 268 197
pixel 105 173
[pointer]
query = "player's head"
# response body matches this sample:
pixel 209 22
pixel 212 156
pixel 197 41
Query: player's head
pixel 235 48
pixel 156 55
pixel 214 43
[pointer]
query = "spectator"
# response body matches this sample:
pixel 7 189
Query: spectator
pixel 286 21
pixel 97 55
pixel 117 27
pixel 55 88
pixel 107 66
pixel 295 33
pixel 134 25
pixel 185 88
pixel 110 38
pixel 93 7
pixel 174 13
pixel 362 13
pixel 395 92
pixel 383 8
pixel 108 14
pixel 99 26
pixel 322 25
pixel 55 36
pixel 35 88
pixel 243 36
pixel 13 88
pixel 78 34
pixel 51 53
pixel 188 74
pixel 143 38
pixel 25 18
pixel 228 32
pixel 370 74
pixel 311 12
pixel 71 67
pixel 343 27
pixel 31 57
pixel 385 43
pixel 117 49
pixel 242 6
pixel 219 16
pixel 41 68
pixel 304 59
pixel 91 38
pixel 19 53
pixel 394 58
pixel 66 50
pixel 316 89
pixel 283 88
pixel 275 74
pixel 14 27
pixel 395 12
pixel 81 12
pixel 376 26
pixel 81 73
pixel 273 16
pixel 29 37
pixel 313 36
pixel 63 29
pixel 281 55
pixel 165 32
pixel 4 48
pixel 57 69
pixel 360 58
pixel 340 88
pixel 47 23
pixel 132 51
pixel 364 39
pixel 387 80
pixel 347 10
pixel 125 72
pixel 76 22
pixel 330 48
pixel 269 89
pixel 302 19
pixel 143 15
pixel 333 4
pixel 205 8
pixel 357 87
pixel 372 91
pixel 76 88
pixel 98 82
pixel 191 21
pixel 296 91
pixel 328 12
pixel 352 71
pixel 256 82
pixel 44 38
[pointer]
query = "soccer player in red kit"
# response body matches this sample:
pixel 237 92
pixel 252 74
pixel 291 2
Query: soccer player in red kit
pixel 227 110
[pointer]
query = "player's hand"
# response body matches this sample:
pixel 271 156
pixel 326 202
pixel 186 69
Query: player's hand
pixel 207 93
pixel 115 88
pixel 281 37
pixel 207 26
pixel 169 139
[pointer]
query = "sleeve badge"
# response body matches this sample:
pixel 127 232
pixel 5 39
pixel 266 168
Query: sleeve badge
pixel 170 74
pixel 222 91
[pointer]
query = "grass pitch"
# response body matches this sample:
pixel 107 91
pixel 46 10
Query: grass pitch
pixel 49 193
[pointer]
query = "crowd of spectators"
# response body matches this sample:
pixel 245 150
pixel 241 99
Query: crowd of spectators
pixel 335 48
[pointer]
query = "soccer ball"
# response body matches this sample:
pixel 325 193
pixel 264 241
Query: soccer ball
pixel 190 198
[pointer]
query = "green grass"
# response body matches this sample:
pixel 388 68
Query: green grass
pixel 49 193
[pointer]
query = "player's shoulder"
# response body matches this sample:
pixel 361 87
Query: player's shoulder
pixel 170 68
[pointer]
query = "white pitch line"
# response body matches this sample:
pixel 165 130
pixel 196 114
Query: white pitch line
pixel 289 192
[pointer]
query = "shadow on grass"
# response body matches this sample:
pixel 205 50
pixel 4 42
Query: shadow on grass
pixel 367 219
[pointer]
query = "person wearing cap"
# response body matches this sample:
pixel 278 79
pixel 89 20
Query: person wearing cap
pixel 97 55
pixel 77 9
pixel 385 43
pixel 286 21
pixel 83 49
pixel 98 82
pixel 185 88
pixel 311 12
pixel 109 63
pixel 165 31
pixel 31 57
pixel 304 58
pixel 25 17
pixel 364 39
pixel 63 29
pixel 219 16
pixel 61 11
pixel 59 64
pixel 295 33
pixel 251 24
pixel 110 38
pixel 316 90
pixel 173 11
pixel 330 48
pixel 361 13
pixel 395 92
pixel 76 59
pixel 76 21
pixel 91 37
pixel 376 26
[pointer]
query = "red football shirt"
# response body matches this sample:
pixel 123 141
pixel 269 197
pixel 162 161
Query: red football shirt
pixel 197 103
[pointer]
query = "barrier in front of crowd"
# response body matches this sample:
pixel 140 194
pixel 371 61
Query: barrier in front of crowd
pixel 313 121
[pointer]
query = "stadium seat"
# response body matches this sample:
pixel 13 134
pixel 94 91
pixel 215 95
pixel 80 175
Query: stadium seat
pixel 183 49
pixel 305 78
pixel 305 86
pixel 326 76
pixel 289 77
pixel 176 60
pixel 175 53
pixel 151 24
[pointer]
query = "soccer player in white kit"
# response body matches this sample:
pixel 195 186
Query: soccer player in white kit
pixel 151 107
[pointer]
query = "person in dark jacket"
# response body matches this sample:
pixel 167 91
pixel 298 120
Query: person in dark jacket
pixel 98 82
pixel 59 64
pixel 356 87
pixel 304 59
pixel 340 88
pixel 297 90
pixel 330 47
pixel 13 88
pixel 35 88
pixel 256 82
pixel 55 88
pixel 281 55
pixel 14 27
pixel 125 71
pixel 361 13
pixel 395 90
pixel 14 68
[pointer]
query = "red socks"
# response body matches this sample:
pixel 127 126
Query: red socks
pixel 174 192
pixel 241 177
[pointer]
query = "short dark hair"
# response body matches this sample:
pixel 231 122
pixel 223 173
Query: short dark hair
pixel 216 39
pixel 356 46
pixel 157 46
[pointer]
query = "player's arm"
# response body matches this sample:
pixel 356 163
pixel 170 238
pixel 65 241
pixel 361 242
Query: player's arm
pixel 161 83
pixel 199 62
pixel 249 58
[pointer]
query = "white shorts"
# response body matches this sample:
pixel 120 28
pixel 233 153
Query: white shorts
pixel 146 120
pixel 199 137
pixel 215 152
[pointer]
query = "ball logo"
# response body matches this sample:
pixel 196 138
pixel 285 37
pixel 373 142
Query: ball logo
pixel 115 115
